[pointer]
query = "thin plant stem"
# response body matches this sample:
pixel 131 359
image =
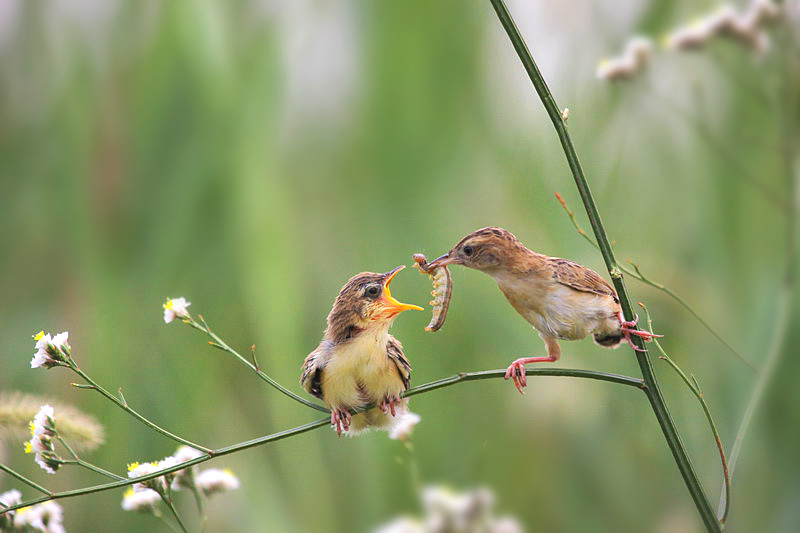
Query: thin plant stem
pixel 25 480
pixel 636 273
pixel 218 343
pixel 694 386
pixel 125 407
pixel 166 522
pixel 260 441
pixel 773 355
pixel 198 496
pixel 737 168
pixel 171 507
pixel 652 389
pixel 787 113
pixel 80 462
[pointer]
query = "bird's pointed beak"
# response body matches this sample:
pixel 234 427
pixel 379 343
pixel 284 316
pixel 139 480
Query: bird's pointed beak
pixel 388 301
pixel 443 260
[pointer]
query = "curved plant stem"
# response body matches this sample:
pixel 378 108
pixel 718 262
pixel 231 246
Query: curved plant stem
pixel 694 386
pixel 561 372
pixel 171 507
pixel 76 460
pixel 652 389
pixel 25 480
pixel 124 406
pixel 458 378
pixel 636 273
pixel 787 112
pixel 218 343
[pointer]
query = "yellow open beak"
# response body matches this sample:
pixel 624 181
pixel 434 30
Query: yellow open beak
pixel 388 301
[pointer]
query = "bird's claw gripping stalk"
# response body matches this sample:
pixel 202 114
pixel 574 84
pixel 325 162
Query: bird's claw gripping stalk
pixel 628 330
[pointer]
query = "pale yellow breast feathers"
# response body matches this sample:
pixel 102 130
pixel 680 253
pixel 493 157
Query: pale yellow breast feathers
pixel 360 372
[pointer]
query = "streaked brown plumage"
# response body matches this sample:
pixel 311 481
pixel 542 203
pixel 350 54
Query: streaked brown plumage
pixel 358 362
pixel 561 299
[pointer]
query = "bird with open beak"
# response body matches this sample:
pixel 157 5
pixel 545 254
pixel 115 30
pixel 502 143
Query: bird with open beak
pixel 561 299
pixel 358 362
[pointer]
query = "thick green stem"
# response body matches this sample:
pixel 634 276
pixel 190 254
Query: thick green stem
pixel 636 273
pixel 458 378
pixel 652 390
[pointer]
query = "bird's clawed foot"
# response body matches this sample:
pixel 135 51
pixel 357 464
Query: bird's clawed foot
pixel 340 419
pixel 628 330
pixel 390 405
pixel 516 370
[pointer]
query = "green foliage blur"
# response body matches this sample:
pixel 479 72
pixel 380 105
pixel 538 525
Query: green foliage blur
pixel 252 155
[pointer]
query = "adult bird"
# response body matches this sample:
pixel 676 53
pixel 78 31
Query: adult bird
pixel 358 362
pixel 561 299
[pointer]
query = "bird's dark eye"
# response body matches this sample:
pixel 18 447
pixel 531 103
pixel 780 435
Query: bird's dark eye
pixel 468 250
pixel 372 291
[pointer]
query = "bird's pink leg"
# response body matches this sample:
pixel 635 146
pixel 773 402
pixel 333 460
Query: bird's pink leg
pixel 628 330
pixel 516 370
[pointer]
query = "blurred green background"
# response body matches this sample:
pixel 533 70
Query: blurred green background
pixel 252 155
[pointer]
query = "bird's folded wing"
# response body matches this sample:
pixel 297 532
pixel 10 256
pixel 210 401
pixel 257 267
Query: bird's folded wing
pixel 311 378
pixel 395 352
pixel 580 278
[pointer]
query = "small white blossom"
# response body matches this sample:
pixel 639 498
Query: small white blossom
pixel 9 498
pixel 43 429
pixel 633 60
pixel 402 525
pixel 140 500
pixel 175 308
pixel 183 478
pixel 50 352
pixel 215 480
pixel 46 517
pixel 160 484
pixel 404 427
pixel 726 21
pixel 137 470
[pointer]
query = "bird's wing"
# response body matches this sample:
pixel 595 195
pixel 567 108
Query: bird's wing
pixel 311 378
pixel 580 278
pixel 395 352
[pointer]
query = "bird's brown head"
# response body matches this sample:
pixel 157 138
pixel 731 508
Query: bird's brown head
pixel 365 301
pixel 487 249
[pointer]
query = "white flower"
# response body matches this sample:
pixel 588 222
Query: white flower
pixel 140 500
pixel 507 525
pixel 183 478
pixel 137 470
pixel 186 453
pixel 175 307
pixel 633 60
pixel 215 480
pixel 160 484
pixel 449 511
pixel 47 517
pixel 9 498
pixel 404 427
pixel 50 352
pixel 43 429
pixel 402 525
